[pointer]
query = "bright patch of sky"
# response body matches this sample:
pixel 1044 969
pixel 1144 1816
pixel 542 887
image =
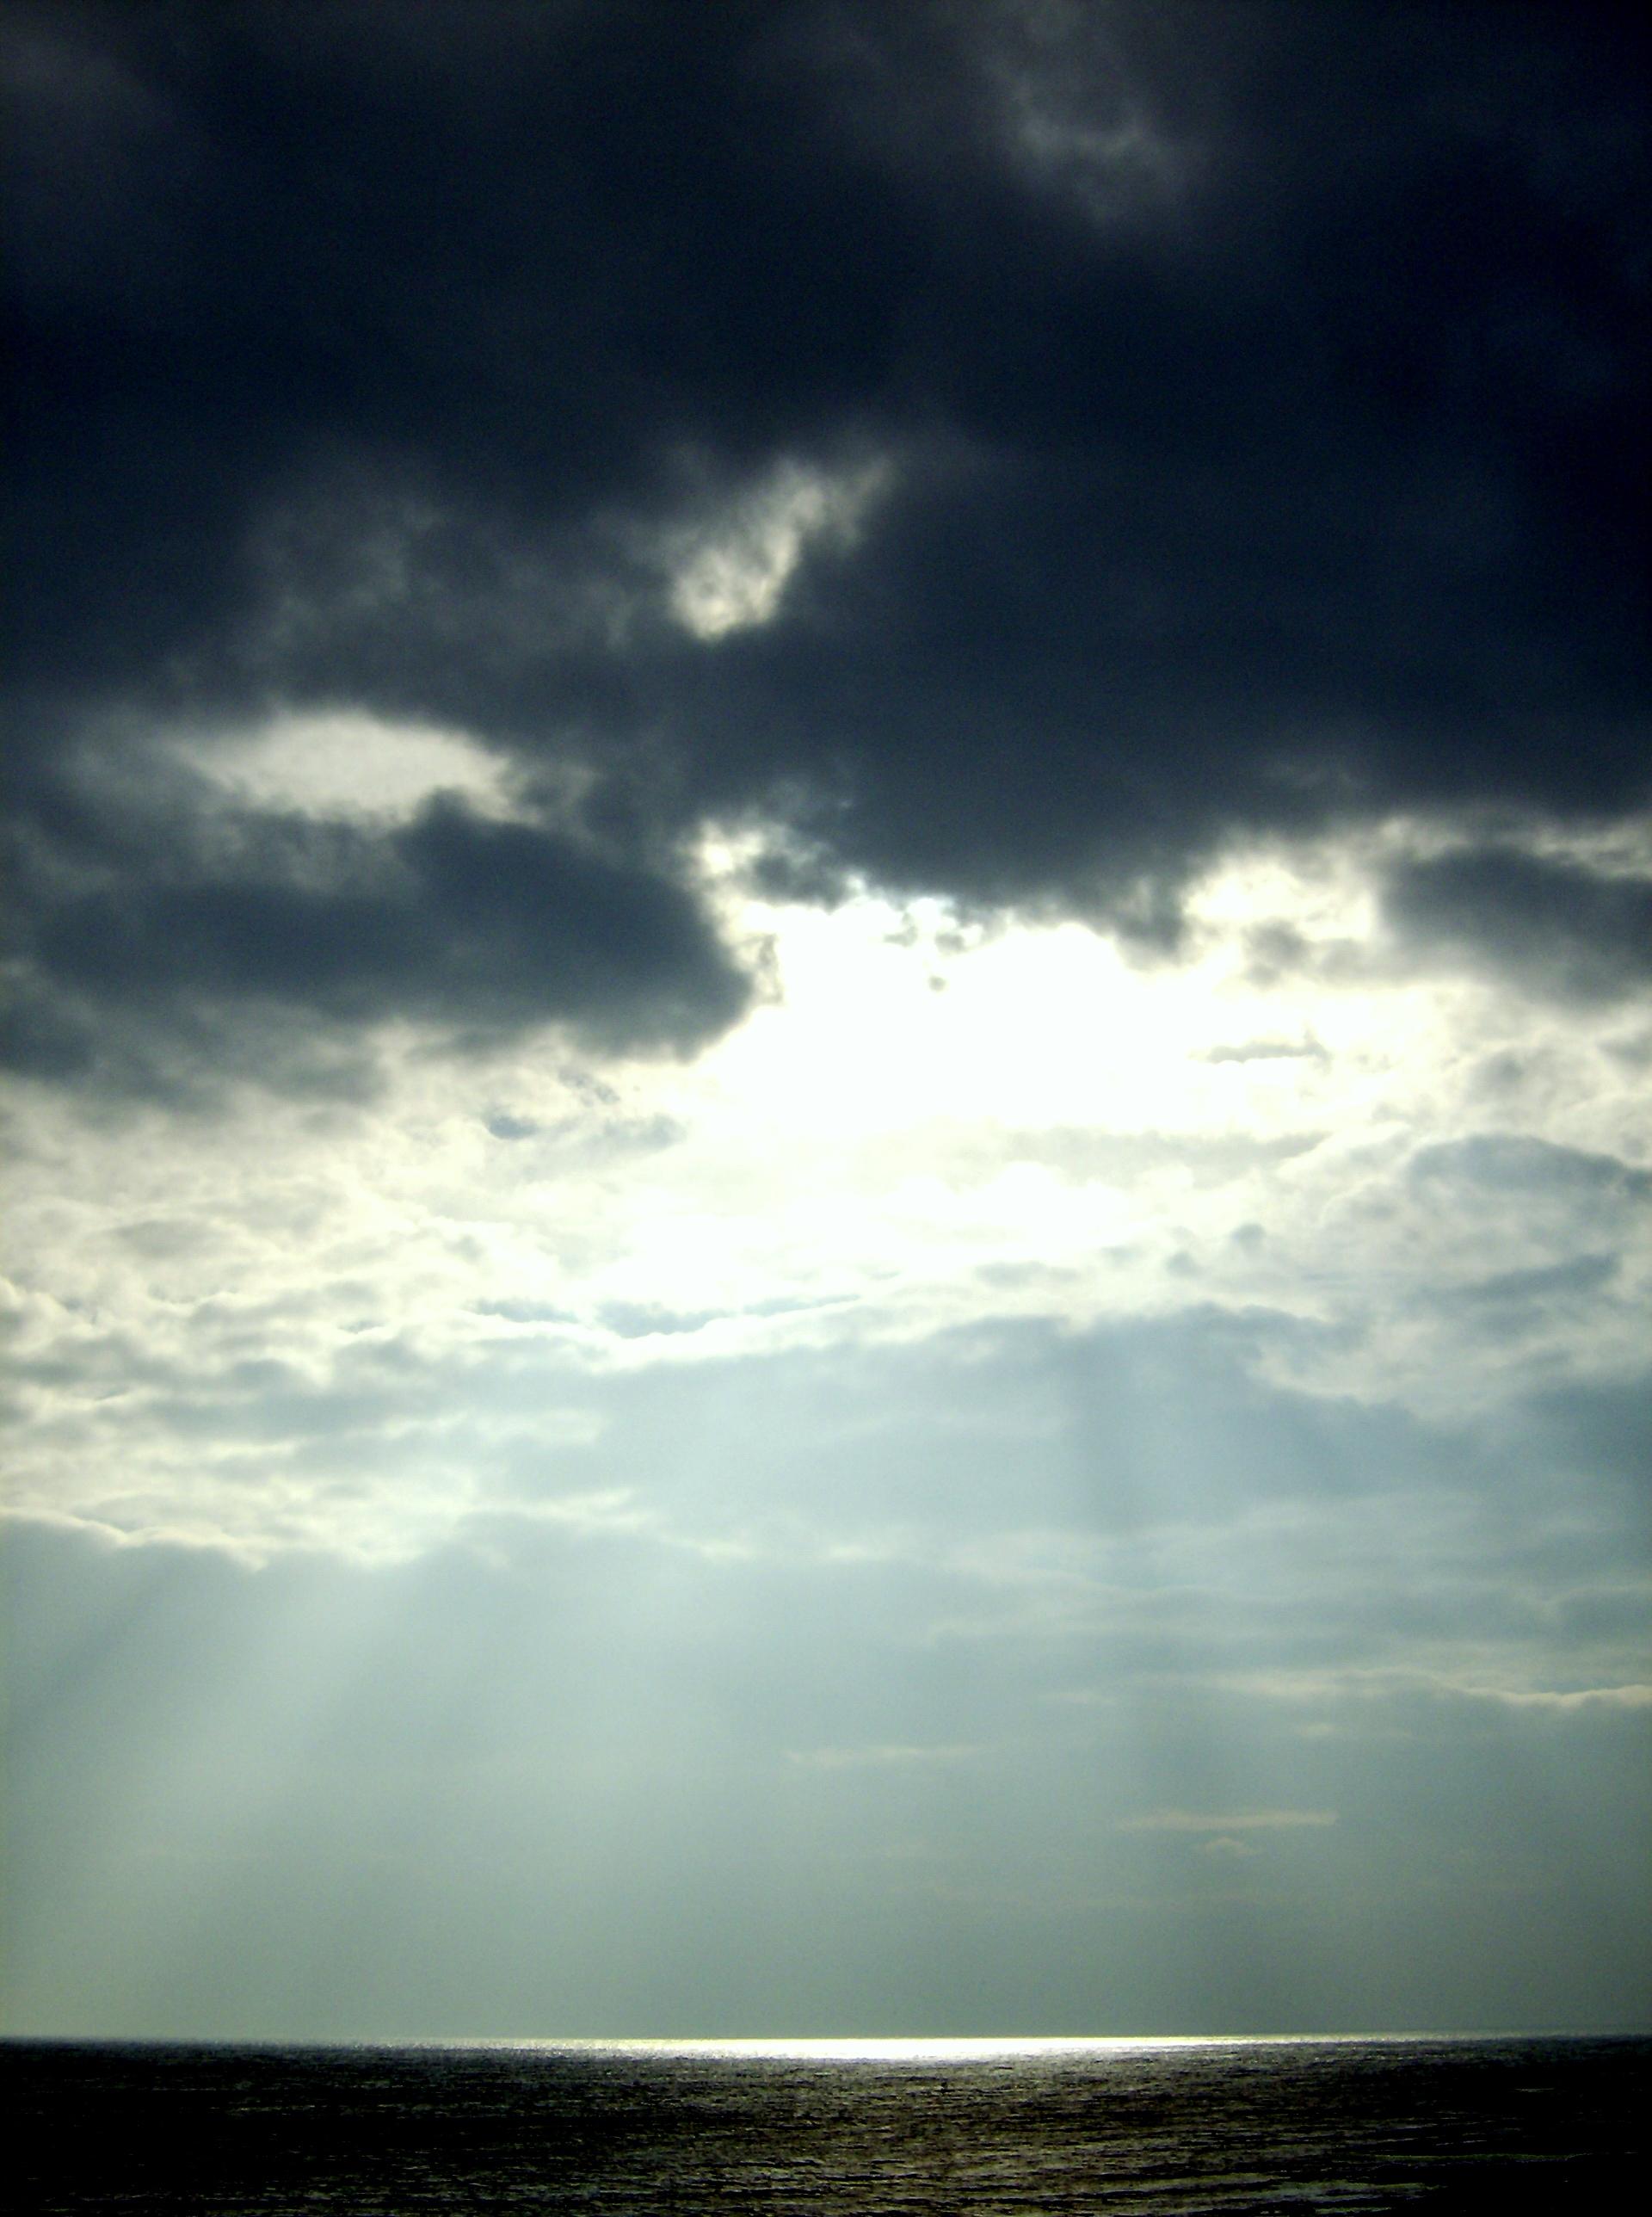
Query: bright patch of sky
pixel 730 570
pixel 347 762
pixel 927 1125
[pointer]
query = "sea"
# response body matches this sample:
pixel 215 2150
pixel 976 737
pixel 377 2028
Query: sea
pixel 880 2129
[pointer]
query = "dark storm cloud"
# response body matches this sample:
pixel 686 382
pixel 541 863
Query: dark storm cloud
pixel 1257 388
pixel 1569 932
pixel 477 926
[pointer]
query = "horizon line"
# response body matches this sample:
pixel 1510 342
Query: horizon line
pixel 824 2046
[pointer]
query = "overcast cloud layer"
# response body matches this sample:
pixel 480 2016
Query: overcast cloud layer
pixel 829 841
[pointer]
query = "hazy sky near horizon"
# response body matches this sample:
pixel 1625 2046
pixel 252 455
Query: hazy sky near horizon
pixel 829 841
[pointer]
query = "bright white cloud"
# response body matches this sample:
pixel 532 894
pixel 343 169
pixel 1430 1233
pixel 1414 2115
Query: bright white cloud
pixel 730 570
pixel 346 763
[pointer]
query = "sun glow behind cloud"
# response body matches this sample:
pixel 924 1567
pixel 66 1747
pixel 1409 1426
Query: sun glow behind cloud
pixel 924 1125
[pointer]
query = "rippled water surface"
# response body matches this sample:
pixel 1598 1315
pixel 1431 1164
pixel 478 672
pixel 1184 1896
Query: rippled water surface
pixel 1551 2124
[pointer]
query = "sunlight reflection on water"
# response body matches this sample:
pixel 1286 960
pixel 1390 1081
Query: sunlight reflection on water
pixel 826 2126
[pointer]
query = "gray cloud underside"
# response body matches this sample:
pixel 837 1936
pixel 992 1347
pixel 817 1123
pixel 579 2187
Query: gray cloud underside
pixel 1049 1480
pixel 1573 934
pixel 1266 470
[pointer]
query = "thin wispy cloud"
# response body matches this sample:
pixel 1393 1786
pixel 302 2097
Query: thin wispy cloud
pixel 1242 1820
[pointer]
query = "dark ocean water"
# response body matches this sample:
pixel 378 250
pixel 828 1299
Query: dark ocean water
pixel 1553 2124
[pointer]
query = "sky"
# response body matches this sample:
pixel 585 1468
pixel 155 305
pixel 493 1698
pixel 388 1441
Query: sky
pixel 829 844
